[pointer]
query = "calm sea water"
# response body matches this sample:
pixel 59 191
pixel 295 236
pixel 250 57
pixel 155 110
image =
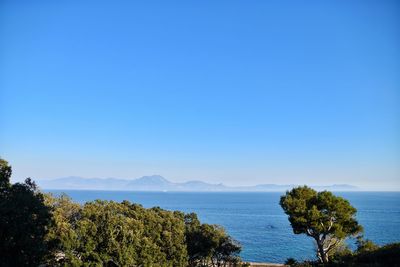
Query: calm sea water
pixel 257 221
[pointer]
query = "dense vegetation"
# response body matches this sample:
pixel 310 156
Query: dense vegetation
pixel 24 221
pixel 126 234
pixel 209 245
pixel 37 228
pixel 375 256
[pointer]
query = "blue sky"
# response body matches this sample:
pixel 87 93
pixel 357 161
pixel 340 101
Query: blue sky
pixel 238 92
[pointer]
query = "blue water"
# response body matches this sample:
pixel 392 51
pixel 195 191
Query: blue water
pixel 257 221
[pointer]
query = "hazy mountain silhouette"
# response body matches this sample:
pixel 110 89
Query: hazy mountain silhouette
pixel 159 183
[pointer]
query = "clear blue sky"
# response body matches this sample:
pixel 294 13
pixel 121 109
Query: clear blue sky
pixel 238 92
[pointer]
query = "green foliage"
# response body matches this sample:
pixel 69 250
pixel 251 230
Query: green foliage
pixel 209 245
pixel 5 174
pixel 365 245
pixel 326 218
pixel 62 236
pixel 340 251
pixel 369 255
pixel 388 255
pixel 24 220
pixel 103 233
pixel 118 234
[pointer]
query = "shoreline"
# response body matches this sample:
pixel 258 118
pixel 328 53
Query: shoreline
pixel 266 264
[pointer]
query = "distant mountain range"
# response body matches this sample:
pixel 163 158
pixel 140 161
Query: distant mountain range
pixel 159 183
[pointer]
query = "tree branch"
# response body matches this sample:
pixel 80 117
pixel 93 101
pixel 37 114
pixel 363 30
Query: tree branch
pixel 330 223
pixel 309 232
pixel 331 245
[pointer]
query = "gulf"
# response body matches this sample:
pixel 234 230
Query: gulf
pixel 257 221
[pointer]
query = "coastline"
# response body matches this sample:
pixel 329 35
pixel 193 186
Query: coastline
pixel 265 264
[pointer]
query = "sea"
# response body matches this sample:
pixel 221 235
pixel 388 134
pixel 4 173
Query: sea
pixel 257 221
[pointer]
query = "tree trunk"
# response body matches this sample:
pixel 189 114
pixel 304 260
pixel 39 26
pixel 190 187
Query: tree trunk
pixel 322 255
